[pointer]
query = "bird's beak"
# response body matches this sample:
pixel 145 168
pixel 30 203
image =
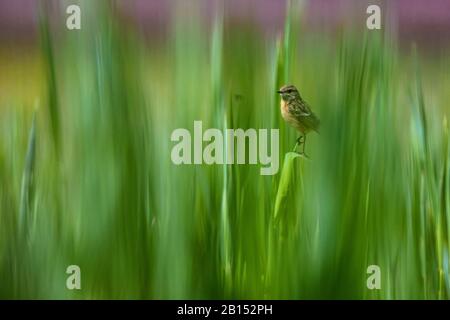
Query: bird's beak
pixel 279 91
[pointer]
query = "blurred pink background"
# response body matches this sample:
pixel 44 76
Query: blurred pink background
pixel 422 21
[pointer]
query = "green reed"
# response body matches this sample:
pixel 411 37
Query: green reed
pixel 109 199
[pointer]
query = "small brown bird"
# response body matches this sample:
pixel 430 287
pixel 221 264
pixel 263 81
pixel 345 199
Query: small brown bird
pixel 298 114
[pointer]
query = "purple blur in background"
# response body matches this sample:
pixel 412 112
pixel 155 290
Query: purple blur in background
pixel 422 21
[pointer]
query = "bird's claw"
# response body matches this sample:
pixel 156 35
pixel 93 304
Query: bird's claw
pixel 300 140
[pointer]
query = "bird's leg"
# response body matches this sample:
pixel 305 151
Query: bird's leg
pixel 304 144
pixel 299 141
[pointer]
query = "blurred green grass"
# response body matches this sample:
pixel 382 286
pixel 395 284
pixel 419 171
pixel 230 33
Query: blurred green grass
pixel 101 192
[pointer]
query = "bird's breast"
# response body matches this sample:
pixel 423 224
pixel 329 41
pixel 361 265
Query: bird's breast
pixel 290 118
pixel 287 116
pixel 284 109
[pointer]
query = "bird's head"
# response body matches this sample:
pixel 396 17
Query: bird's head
pixel 289 92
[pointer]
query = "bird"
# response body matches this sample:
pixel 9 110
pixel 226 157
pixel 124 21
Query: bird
pixel 297 113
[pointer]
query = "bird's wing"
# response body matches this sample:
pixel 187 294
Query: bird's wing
pixel 299 109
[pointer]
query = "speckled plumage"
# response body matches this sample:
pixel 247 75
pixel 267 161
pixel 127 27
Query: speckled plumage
pixel 296 112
